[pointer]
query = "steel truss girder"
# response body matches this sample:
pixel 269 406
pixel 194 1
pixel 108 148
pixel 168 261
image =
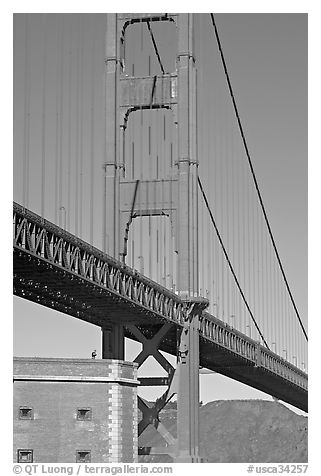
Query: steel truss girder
pixel 55 246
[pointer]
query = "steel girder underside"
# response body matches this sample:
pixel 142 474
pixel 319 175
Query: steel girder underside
pixel 43 282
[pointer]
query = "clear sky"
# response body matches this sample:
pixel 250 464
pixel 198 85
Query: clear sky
pixel 267 60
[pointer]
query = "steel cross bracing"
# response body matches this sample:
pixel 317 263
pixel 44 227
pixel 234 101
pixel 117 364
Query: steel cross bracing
pixel 54 268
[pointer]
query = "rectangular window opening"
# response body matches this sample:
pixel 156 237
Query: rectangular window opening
pixel 83 456
pixel 25 456
pixel 26 413
pixel 84 414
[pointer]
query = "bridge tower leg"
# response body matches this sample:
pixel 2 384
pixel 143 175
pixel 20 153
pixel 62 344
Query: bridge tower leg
pixel 175 91
pixel 112 165
pixel 188 346
pixel 113 342
pixel 188 387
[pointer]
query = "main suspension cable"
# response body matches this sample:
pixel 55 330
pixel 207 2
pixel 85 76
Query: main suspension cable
pixel 253 173
pixel 229 262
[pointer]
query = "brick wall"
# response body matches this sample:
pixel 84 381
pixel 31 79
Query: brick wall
pixel 51 397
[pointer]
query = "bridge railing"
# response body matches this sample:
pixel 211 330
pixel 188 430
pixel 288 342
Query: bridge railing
pixel 45 240
pixel 222 334
pixel 226 336
pixel 277 365
pixel 49 242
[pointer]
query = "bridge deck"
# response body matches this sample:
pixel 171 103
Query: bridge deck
pixel 58 270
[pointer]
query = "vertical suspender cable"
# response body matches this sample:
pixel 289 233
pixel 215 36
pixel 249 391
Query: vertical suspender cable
pixel 286 346
pixel 160 139
pixel 171 263
pixel 200 153
pixel 294 353
pixel 243 188
pixel 161 114
pixel 133 174
pixel 234 230
pixel 105 244
pixel 257 260
pixel 248 251
pixel 61 100
pixel 226 205
pixel 229 191
pixel 150 217
pixel 262 272
pixel 141 161
pixel 77 135
pixel 131 143
pixel 151 241
pixel 272 317
pixel 158 227
pixel 140 121
pixel 222 215
pixel 254 177
pixel 163 194
pixel 141 166
pixel 264 300
pixel 26 139
pixel 293 337
pixel 92 132
pixel 81 125
pixel 253 258
pixel 229 263
pixel 281 310
pixel 279 307
pixel 278 334
pixel 58 85
pixel 69 129
pixel 200 156
pixel 238 303
pixel 43 124
pixel 266 268
pixel 215 272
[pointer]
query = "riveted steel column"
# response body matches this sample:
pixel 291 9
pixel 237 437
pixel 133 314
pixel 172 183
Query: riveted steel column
pixel 112 159
pixel 188 385
pixel 187 160
pixel 188 346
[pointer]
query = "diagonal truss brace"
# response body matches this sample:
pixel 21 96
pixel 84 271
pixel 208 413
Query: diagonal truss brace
pixel 150 414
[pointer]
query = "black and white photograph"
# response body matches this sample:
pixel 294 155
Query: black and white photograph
pixel 160 241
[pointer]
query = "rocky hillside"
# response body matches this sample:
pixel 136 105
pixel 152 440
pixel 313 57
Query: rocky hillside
pixel 239 431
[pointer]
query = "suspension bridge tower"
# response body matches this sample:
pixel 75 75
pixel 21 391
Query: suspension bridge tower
pixel 176 92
